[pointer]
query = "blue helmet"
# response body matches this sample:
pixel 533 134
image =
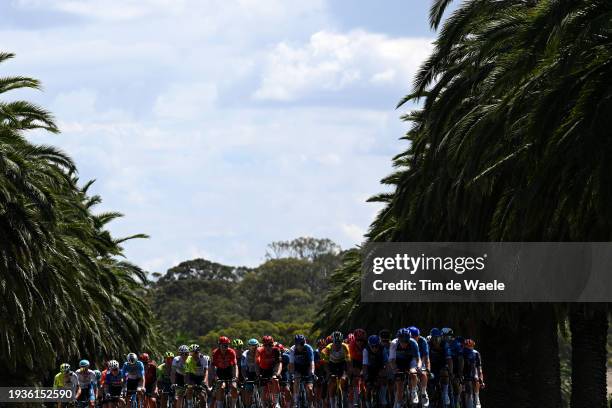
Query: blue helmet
pixel 414 331
pixel 435 332
pixel 403 334
pixel 300 339
pixel 84 363
pixel 374 340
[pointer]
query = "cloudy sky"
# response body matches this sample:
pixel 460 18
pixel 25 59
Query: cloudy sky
pixel 218 126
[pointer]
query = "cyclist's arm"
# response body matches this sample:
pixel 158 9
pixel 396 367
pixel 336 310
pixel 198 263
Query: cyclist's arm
pixel 392 356
pixel 173 373
pixel 291 367
pixel 364 361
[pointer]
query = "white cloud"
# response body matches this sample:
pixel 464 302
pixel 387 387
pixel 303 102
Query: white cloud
pixel 353 232
pixel 333 61
pixel 186 101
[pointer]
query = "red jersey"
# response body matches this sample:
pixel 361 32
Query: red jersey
pixel 268 358
pixel 356 351
pixel 224 360
pixel 150 372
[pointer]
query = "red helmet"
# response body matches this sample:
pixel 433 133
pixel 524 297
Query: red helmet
pixel 469 343
pixel 350 338
pixel 360 334
pixel 280 347
pixel 267 340
pixel 144 357
pixel 224 340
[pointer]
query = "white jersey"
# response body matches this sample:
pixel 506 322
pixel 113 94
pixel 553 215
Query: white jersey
pixel 248 362
pixel 178 365
pixel 86 378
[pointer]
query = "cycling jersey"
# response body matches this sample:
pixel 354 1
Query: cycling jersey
pixel 225 359
pixel 163 373
pixel 333 355
pixel 471 363
pixel 423 347
pixel 60 381
pixel 375 359
pixel 150 374
pixel 197 366
pixel 302 357
pixel 133 371
pixel 86 379
pixel 407 351
pixel 284 367
pixel 248 361
pixel 178 365
pixel 112 380
pixel 456 348
pixel 268 357
pixel 440 352
pixel 356 350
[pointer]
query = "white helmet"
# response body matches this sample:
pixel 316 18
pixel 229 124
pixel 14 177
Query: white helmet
pixel 113 364
pixel 183 349
pixel 131 358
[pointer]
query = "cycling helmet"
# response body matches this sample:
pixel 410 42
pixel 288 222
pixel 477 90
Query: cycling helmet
pixel 403 334
pixel 98 374
pixel 280 347
pixel 144 357
pixel 237 343
pixel 328 340
pixel 183 349
pixel 224 340
pixel 350 338
pixel 65 367
pixel 374 340
pixel 84 363
pixel 447 332
pixel 414 331
pixel 131 358
pixel 300 339
pixel 194 347
pixel 336 337
pixel 469 344
pixel 267 341
pixel 253 342
pixel 113 364
pixel 360 334
pixel 435 332
pixel 168 354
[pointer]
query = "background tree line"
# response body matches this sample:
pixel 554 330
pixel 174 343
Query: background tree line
pixel 199 300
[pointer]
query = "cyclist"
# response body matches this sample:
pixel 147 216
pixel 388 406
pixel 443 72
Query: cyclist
pixel 472 373
pixel 133 372
pixel 177 375
pixel 112 384
pixel 164 382
pixel 238 346
pixel 404 356
pixel 248 365
pixel 226 367
pixel 440 361
pixel 302 366
pixel 375 359
pixel 357 342
pixel 196 371
pixel 320 385
pixel 424 368
pixel 98 385
pixel 385 340
pixel 150 370
pixel 268 359
pixel 66 378
pixel 87 383
pixel 337 358
pixel 285 377
pixel 456 367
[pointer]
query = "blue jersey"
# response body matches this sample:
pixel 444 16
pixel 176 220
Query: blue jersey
pixel 456 348
pixel 133 371
pixel 405 352
pixel 440 352
pixel 375 359
pixel 423 347
pixel 301 358
pixel 113 380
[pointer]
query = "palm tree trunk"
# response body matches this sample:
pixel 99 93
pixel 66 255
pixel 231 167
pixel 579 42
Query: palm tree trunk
pixel 543 349
pixel 589 327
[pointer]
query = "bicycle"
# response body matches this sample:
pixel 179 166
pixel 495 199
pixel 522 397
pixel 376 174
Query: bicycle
pixel 268 395
pixel 198 396
pixel 227 396
pixel 134 401
pixel 255 397
pixel 339 393
pixel 303 401
pixel 166 396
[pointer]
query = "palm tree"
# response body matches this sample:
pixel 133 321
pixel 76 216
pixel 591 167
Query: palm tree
pixel 65 291
pixel 516 106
